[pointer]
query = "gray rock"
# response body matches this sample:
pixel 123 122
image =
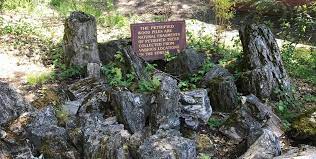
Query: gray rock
pixel 80 39
pixel 104 138
pixel 136 140
pixel 252 114
pixel 266 146
pixel 12 104
pixel 108 50
pixel 186 63
pixel 262 61
pixel 302 152
pixel 168 144
pixel 222 89
pixel 87 95
pixel 135 63
pixel 223 94
pixel 47 137
pixel 215 72
pixel 132 109
pixel 93 70
pixel 195 107
pixel 15 150
pixel 165 112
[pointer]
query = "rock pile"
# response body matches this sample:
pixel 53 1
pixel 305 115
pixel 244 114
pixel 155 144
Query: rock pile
pixel 111 123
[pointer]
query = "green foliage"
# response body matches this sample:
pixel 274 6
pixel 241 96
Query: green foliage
pixel 223 11
pixel 299 24
pixel 169 56
pixel 113 20
pixel 71 72
pixel 300 62
pixel 114 74
pixel 149 85
pixel 65 7
pixel 38 79
pixel 193 80
pixel 286 107
pixel 118 77
pixel 18 29
pixel 215 123
pixel 16 5
pixel 204 156
pixel 201 42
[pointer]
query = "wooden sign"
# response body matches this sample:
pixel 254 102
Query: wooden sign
pixel 152 41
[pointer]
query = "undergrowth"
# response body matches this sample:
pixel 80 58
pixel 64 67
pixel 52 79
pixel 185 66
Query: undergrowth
pixel 119 77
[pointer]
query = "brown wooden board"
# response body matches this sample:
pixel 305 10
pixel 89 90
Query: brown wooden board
pixel 152 41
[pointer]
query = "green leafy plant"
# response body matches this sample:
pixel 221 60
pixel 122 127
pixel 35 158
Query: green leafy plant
pixel 287 107
pixel 18 29
pixel 193 80
pixel 114 74
pixel 149 85
pixel 299 62
pixel 215 123
pixel 169 56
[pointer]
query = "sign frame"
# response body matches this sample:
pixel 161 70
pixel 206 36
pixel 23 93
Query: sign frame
pixel 179 26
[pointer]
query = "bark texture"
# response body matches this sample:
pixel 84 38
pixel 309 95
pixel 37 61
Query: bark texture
pixel 264 70
pixel 80 39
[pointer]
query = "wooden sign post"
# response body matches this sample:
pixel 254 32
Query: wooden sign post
pixel 152 41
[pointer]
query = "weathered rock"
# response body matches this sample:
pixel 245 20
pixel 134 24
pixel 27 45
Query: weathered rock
pixel 135 63
pixel 251 115
pixel 262 62
pixel 17 127
pixel 266 146
pixel 87 95
pixel 303 128
pixel 168 144
pixel 223 94
pixel 222 89
pixel 136 140
pixel 132 109
pixel 12 104
pixel 186 63
pixel 165 112
pixel 110 49
pixel 195 107
pixel 80 39
pixel 48 138
pixel 15 150
pixel 214 73
pixel 104 138
pixel 93 70
pixel 302 152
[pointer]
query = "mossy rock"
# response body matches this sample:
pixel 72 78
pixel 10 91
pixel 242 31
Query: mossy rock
pixel 304 127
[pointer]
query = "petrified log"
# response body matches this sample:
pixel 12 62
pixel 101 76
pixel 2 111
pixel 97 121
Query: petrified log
pixel 80 39
pixel 264 70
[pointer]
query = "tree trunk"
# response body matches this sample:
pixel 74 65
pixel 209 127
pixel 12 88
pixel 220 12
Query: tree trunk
pixel 264 70
pixel 80 40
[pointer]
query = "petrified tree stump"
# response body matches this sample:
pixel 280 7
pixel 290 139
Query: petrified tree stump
pixel 80 39
pixel 264 70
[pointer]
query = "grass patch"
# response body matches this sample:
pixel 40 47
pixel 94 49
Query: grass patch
pixel 17 5
pixel 38 78
pixel 300 62
pixel 113 20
